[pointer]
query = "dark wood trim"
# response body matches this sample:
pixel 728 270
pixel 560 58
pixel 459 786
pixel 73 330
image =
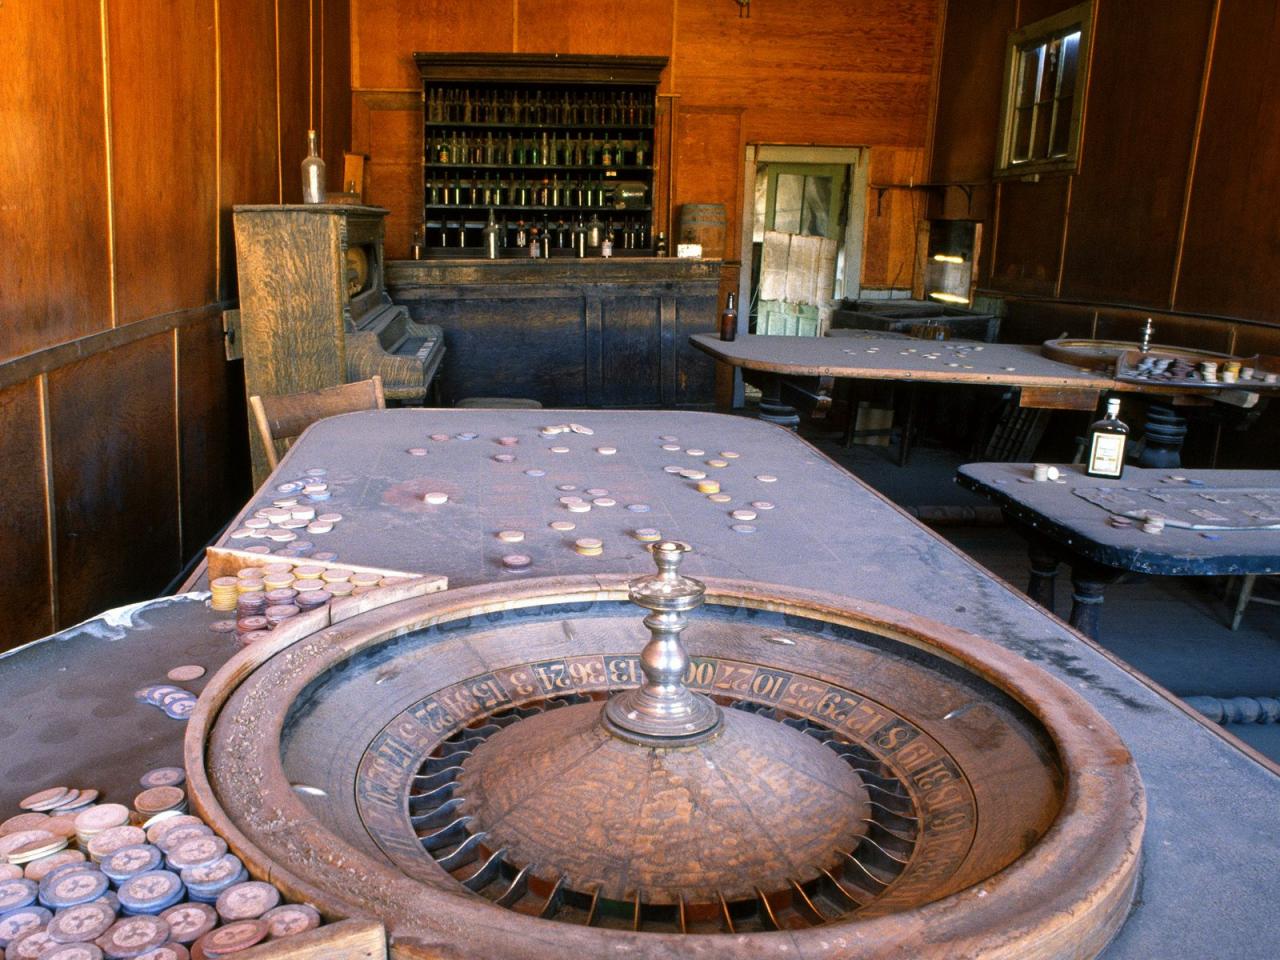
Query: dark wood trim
pixel 522 67
pixel 34 364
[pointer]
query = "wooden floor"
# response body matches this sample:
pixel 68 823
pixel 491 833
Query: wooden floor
pixel 1173 629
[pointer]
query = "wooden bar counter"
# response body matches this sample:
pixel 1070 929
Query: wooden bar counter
pixel 596 332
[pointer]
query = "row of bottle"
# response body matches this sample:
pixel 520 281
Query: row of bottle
pixel 549 150
pixel 515 237
pixel 512 105
pixel 552 192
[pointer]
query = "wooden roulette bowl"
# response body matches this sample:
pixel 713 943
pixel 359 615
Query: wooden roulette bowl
pixel 436 764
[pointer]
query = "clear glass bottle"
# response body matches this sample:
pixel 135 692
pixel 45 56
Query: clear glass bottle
pixel 312 172
pixel 491 237
pixel 1107 439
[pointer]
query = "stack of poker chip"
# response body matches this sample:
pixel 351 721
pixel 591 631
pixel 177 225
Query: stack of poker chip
pixel 98 820
pixel 174 701
pixel 174 893
pixel 224 593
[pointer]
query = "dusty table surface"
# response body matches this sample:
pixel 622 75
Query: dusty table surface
pixel 1210 853
pixel 957 361
pixel 1054 510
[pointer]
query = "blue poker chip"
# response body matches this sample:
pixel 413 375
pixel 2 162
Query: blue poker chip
pixel 17 922
pixel 16 894
pixel 150 892
pixel 130 861
pixel 638 507
pixel 319 497
pixel 66 889
pixel 180 708
pixel 535 473
pixel 467 436
pixel 206 880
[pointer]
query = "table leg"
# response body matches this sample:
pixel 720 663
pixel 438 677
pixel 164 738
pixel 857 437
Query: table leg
pixel 1088 582
pixel 772 407
pixel 1044 572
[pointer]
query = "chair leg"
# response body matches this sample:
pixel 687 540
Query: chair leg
pixel 1242 599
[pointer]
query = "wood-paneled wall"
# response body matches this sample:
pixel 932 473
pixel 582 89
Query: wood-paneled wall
pixel 1181 151
pixel 800 72
pixel 130 130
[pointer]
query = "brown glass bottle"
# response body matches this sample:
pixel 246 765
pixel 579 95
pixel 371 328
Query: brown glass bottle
pixel 729 319
pixel 1107 439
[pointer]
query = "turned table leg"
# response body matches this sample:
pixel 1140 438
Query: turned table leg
pixel 1044 572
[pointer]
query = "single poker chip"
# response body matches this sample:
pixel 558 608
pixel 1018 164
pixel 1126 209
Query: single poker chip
pixel 516 561
pixel 16 894
pixel 133 936
pixel 766 478
pixel 74 951
pixel 163 777
pixel 30 945
pixel 73 804
pixel 195 851
pixel 208 880
pixel 37 870
pixel 762 504
pixel 109 841
pixel 186 672
pixel 638 507
pixel 160 825
pixel 247 901
pixel 150 892
pixel 535 472
pixel 189 922
pixel 166 951
pixel 77 884
pixel 566 487
pixel 17 922
pixel 102 817
pixel 24 821
pixel 289 919
pixel 170 839
pixel 182 708
pixel 231 939
pixel 743 528
pixel 82 923
pixel 12 845
pixel 43 799
pixel 130 861
pixel 158 799
pixel 563 525
pixel 719 497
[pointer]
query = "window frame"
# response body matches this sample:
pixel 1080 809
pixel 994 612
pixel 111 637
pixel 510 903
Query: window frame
pixel 1079 17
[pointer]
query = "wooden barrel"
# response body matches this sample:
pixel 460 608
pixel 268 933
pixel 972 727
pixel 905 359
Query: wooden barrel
pixel 704 223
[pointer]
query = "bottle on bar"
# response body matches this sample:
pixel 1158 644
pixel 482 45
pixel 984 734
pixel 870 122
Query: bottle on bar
pixel 491 237
pixel 1107 439
pixel 312 172
pixel 729 319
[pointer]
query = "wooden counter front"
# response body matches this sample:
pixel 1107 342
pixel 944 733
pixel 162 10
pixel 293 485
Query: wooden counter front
pixel 593 332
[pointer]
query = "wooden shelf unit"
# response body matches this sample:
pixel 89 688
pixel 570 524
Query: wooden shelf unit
pixel 548 143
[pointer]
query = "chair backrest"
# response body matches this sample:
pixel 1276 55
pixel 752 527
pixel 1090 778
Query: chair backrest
pixel 282 418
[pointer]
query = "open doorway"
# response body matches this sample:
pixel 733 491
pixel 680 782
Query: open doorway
pixel 804 248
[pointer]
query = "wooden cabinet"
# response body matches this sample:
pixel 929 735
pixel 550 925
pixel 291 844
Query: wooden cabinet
pixel 551 146
pixel 568 333
pixel 314 310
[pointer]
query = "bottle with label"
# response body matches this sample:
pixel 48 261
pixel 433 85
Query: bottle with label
pixel 729 319
pixel 312 172
pixel 1107 439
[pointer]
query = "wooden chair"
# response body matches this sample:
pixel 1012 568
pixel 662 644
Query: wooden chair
pixel 282 418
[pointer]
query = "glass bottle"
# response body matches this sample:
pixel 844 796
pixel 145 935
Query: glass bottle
pixel 729 319
pixel 312 172
pixel 491 237
pixel 1107 438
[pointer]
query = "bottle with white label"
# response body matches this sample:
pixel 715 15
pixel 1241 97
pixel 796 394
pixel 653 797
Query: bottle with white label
pixel 1107 440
